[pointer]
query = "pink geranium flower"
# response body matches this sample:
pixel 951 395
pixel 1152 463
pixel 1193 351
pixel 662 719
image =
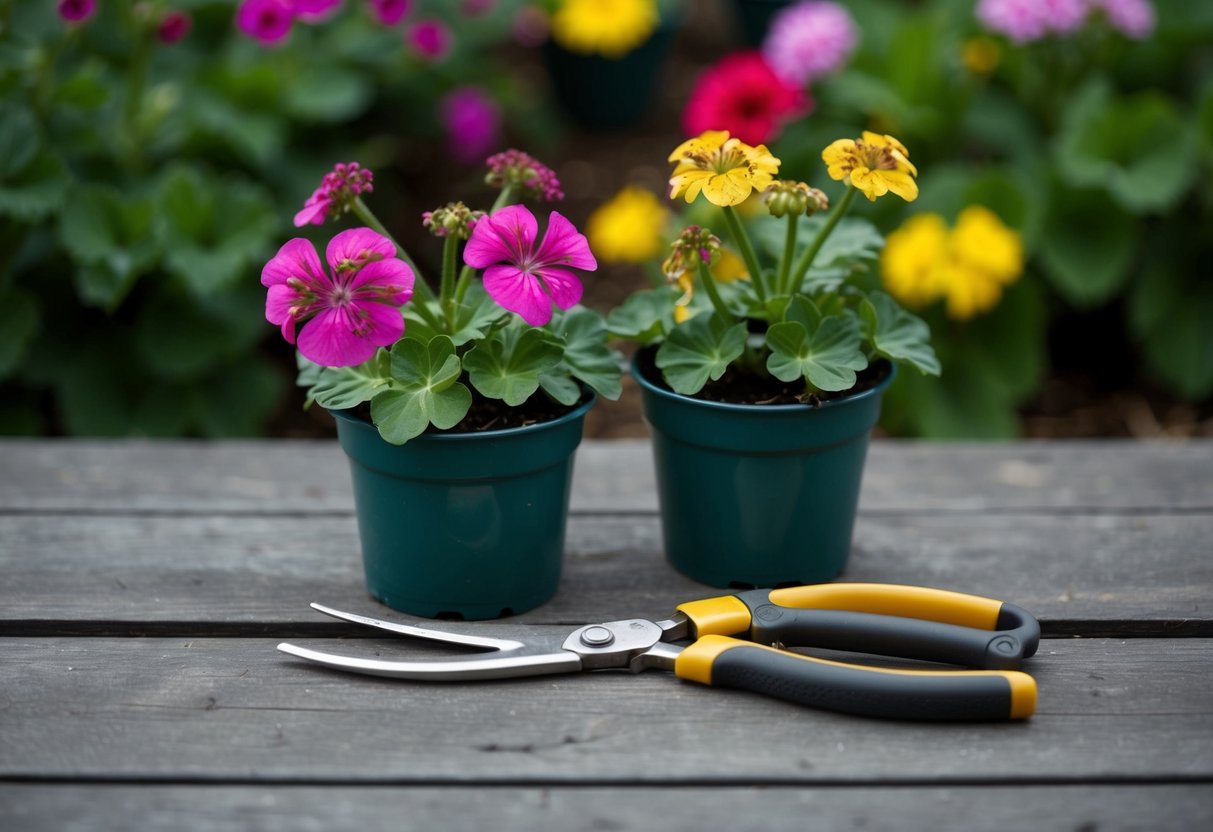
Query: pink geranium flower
pixel 390 12
pixel 809 40
pixel 431 39
pixel 174 26
pixel 743 95
pixel 76 10
pixel 524 277
pixel 472 121
pixel 340 187
pixel 314 11
pixel 269 21
pixel 347 313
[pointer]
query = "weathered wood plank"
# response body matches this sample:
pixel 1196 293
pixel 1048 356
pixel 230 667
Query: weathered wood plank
pixel 32 808
pixel 235 710
pixel 1121 575
pixel 297 476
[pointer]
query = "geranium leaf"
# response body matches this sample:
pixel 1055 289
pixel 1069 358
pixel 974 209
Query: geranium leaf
pixel 645 316
pixel 803 311
pixel 560 386
pixel 38 190
pixel 18 325
pixel 425 390
pixel 897 334
pixel 698 350
pixel 475 316
pixel 508 365
pixel 339 388
pixel 828 356
pixel 586 354
pixel 18 139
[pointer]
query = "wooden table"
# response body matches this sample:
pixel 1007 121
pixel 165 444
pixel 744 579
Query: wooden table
pixel 144 585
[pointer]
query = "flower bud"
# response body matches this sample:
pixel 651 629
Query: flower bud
pixel 453 219
pixel 786 197
pixel 694 245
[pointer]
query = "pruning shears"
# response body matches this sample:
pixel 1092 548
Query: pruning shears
pixel 741 640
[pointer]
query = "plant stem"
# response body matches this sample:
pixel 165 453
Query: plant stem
pixel 709 286
pixel 422 289
pixel 806 260
pixel 784 286
pixel 450 249
pixel 747 252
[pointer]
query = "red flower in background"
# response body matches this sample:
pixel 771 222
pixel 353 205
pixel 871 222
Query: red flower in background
pixel 743 95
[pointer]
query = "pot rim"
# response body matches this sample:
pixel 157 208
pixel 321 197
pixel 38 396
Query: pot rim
pixel 471 436
pixel 773 409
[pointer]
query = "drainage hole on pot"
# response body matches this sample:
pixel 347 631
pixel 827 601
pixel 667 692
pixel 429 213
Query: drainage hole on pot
pixel 449 616
pixel 740 585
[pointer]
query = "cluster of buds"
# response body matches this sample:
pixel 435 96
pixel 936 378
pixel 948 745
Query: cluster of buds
pixel 336 194
pixel 785 197
pixel 513 168
pixel 451 220
pixel 694 245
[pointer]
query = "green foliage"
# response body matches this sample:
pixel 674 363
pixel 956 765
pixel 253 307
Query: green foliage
pixel 508 365
pixel 425 390
pixel 340 388
pixel 698 350
pixel 581 333
pixel 645 317
pixel 898 335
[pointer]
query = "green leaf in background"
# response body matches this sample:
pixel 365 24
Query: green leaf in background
pixel 698 350
pixel 586 354
pixel 646 316
pixel 897 334
pixel 37 191
pixel 1139 148
pixel 326 93
pixel 179 337
pixel 1171 307
pixel 508 365
pixel 827 356
pixel 425 390
pixel 1087 246
pixel 340 388
pixel 110 235
pixel 237 399
pixel 19 141
pixel 18 324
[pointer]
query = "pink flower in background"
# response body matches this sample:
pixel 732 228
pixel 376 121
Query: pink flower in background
pixel 809 40
pixel 1132 18
pixel 174 26
pixel 475 8
pixel 431 39
pixel 314 11
pixel 346 314
pixel 1020 20
pixel 525 278
pixel 743 95
pixel 269 21
pixel 472 121
pixel 76 10
pixel 515 167
pixel 1063 17
pixel 337 191
pixel 390 12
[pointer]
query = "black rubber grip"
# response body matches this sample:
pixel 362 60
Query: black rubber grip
pixel 884 635
pixel 939 697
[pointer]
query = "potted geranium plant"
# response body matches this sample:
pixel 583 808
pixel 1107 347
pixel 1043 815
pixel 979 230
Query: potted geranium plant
pixel 761 393
pixel 460 405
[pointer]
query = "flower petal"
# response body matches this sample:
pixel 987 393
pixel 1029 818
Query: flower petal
pixel 359 246
pixel 390 281
pixel 278 302
pixel 296 258
pixel 519 292
pixel 508 235
pixel 349 335
pixel 562 285
pixel 314 210
pixel 565 245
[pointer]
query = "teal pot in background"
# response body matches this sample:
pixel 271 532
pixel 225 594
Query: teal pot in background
pixel 757 495
pixel 608 93
pixel 463 525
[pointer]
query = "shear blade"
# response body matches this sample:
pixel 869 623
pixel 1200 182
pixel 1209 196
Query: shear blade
pixel 454 669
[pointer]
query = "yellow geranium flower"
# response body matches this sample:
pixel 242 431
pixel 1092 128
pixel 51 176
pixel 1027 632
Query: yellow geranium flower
pixel 627 227
pixel 611 28
pixel 968 267
pixel 726 171
pixel 874 164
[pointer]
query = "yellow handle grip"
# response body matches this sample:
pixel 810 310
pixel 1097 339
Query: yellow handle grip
pixel 894 599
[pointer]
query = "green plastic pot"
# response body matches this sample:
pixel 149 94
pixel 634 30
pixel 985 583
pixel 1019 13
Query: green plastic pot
pixel 608 93
pixel 757 495
pixel 463 525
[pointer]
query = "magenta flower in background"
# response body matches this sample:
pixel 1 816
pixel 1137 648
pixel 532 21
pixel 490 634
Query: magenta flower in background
pixel 314 11
pixel 472 121
pixel 76 10
pixel 809 40
pixel 1064 17
pixel 515 167
pixel 1020 20
pixel 338 190
pixel 269 21
pixel 740 93
pixel 525 278
pixel 390 12
pixel 1132 18
pixel 174 26
pixel 347 313
pixel 431 39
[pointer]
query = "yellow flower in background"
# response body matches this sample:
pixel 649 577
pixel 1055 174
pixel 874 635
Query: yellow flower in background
pixel 911 264
pixel 729 267
pixel 981 55
pixel 726 171
pixel 968 266
pixel 627 228
pixel 874 164
pixel 611 28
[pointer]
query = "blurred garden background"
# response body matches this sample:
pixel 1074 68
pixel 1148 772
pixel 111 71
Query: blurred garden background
pixel 153 154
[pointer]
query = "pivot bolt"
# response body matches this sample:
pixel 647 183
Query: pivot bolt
pixel 597 637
